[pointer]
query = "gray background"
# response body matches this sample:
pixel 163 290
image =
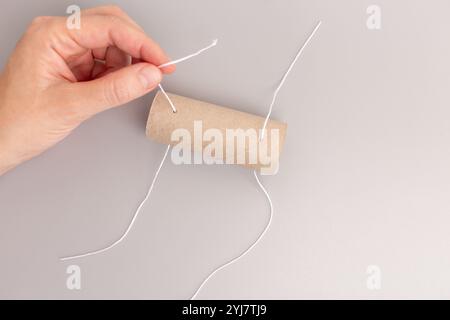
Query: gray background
pixel 364 179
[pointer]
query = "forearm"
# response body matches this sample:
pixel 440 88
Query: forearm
pixel 8 159
pixel 4 167
pixel 15 147
pixel 5 161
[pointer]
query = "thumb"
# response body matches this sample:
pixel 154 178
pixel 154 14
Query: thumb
pixel 114 89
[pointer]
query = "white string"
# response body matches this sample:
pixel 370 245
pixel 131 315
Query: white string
pixel 285 76
pixel 249 248
pixel 174 109
pixel 214 43
pixel 132 220
pixel 269 223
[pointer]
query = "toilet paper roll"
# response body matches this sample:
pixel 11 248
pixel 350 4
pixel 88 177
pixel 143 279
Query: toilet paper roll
pixel 215 134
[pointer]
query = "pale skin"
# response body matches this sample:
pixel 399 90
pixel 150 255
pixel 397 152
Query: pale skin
pixel 57 78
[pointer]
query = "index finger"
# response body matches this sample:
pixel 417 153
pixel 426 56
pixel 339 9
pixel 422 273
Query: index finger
pixel 100 31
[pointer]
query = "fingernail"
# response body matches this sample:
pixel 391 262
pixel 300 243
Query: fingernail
pixel 150 77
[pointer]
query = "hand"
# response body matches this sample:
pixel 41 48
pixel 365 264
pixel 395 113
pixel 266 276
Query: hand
pixel 57 78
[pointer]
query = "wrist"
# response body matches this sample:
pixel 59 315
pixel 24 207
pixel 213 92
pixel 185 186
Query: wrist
pixel 6 163
pixel 8 160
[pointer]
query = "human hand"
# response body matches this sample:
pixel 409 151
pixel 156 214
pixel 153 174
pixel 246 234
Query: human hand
pixel 57 78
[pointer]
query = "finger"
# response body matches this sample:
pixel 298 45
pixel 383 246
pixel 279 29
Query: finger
pixel 99 69
pixel 81 66
pixel 117 11
pixel 116 58
pixel 99 53
pixel 114 89
pixel 135 60
pixel 113 11
pixel 100 31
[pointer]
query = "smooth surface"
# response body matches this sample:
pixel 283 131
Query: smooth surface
pixel 196 117
pixel 364 178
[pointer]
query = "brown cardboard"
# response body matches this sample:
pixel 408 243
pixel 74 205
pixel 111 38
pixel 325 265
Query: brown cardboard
pixel 162 121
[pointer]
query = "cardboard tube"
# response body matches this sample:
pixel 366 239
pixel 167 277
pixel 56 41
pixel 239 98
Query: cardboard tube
pixel 205 122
